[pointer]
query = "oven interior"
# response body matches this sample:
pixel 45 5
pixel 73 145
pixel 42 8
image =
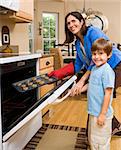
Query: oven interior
pixel 15 105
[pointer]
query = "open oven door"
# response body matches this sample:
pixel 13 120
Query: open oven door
pixel 48 98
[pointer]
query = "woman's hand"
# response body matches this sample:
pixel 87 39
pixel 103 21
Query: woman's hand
pixel 63 72
pixel 80 86
pixel 76 90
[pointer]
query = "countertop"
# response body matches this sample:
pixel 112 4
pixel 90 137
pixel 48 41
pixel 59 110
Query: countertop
pixel 48 55
pixel 13 57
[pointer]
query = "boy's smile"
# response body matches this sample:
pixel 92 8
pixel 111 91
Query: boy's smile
pixel 99 57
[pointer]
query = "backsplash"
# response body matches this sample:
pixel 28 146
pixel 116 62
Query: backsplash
pixel 18 34
pixel 9 49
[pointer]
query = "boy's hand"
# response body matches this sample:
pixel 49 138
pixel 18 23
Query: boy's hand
pixel 101 119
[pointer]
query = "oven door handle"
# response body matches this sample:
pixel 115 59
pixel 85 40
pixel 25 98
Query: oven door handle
pixel 63 88
pixel 58 100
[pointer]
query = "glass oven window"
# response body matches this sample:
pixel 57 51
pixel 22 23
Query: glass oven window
pixel 14 103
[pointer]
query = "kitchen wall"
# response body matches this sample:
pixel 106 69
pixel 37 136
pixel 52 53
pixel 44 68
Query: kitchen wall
pixel 48 6
pixel 110 8
pixel 19 33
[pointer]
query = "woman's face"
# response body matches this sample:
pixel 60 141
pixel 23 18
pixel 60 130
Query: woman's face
pixel 74 25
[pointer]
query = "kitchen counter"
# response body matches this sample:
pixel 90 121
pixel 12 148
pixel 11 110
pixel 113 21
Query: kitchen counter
pixel 14 57
pixel 48 55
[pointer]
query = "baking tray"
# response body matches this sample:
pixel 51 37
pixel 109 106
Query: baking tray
pixel 33 82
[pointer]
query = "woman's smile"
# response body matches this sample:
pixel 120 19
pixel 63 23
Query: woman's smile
pixel 73 24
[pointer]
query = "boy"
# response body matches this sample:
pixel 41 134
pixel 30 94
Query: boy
pixel 100 95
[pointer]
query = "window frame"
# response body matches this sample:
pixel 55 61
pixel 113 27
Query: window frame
pixel 49 39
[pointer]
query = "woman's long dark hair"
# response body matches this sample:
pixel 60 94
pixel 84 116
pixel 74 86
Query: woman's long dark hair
pixel 70 35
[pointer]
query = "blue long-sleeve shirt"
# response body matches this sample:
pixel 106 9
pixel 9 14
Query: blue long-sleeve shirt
pixel 93 34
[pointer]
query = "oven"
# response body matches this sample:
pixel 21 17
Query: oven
pixel 21 112
pixel 15 104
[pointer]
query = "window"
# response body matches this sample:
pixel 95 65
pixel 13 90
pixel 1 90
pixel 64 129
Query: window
pixel 50 31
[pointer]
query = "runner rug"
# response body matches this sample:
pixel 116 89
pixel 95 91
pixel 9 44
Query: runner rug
pixel 58 137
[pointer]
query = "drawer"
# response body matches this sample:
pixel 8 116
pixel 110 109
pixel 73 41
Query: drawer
pixel 46 70
pixel 46 66
pixel 46 62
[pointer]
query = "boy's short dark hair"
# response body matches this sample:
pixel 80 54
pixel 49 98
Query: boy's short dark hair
pixel 102 44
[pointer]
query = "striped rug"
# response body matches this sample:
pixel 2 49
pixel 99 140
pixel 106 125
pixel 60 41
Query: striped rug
pixel 81 139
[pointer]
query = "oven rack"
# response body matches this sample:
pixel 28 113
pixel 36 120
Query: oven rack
pixel 33 82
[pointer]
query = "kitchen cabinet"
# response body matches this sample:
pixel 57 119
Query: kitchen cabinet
pixel 46 65
pixel 19 11
pixel 21 17
pixel 25 13
pixel 10 4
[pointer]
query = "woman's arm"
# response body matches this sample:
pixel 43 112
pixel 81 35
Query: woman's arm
pixel 80 86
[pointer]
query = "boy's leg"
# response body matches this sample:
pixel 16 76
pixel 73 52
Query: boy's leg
pixel 99 136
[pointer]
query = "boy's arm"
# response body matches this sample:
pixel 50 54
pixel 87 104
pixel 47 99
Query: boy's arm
pixel 105 105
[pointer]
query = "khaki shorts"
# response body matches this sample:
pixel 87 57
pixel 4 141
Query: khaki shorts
pixel 99 136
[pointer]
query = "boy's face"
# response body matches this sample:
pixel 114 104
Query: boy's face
pixel 99 58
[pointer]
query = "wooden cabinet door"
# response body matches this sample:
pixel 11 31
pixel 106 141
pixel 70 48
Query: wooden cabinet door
pixel 47 87
pixel 46 66
pixel 26 6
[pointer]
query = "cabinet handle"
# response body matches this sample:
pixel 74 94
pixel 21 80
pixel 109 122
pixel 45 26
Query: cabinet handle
pixel 47 63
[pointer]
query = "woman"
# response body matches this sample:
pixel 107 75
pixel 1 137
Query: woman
pixel 76 29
